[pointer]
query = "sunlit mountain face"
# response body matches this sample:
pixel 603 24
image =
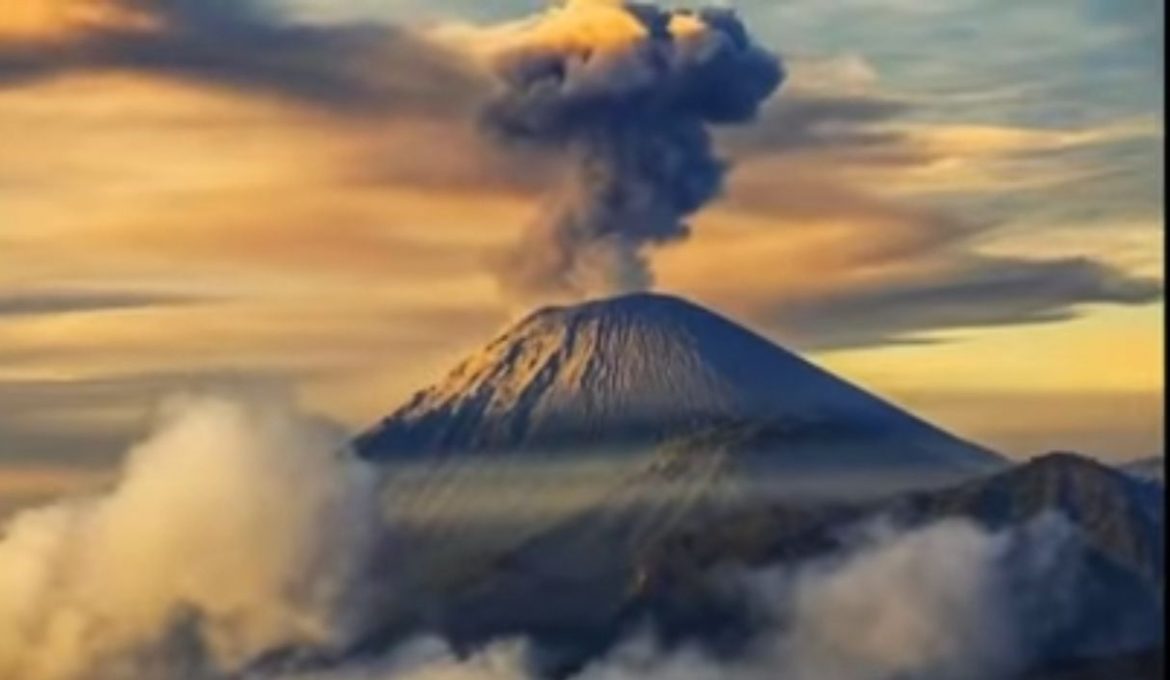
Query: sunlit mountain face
pixel 581 340
pixel 642 370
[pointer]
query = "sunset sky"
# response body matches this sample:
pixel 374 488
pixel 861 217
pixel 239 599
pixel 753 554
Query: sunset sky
pixel 957 205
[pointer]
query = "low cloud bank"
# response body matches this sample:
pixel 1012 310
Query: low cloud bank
pixel 235 528
pixel 239 531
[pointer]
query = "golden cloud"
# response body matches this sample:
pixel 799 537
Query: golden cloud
pixel 60 20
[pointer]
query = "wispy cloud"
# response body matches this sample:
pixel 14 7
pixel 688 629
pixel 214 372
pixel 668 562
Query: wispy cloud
pixel 240 45
pixel 35 302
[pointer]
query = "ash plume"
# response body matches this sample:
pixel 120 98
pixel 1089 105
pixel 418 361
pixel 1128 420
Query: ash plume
pixel 625 93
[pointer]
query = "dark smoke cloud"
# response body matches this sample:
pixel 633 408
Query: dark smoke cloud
pixel 631 115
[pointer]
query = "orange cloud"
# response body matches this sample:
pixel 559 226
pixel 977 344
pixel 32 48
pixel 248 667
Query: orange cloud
pixel 45 481
pixel 60 20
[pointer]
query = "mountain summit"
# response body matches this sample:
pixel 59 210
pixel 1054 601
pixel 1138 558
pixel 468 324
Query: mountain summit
pixel 642 370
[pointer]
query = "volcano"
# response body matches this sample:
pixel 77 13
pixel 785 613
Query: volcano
pixel 632 373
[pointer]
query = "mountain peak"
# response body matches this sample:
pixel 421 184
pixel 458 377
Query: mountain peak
pixel 640 301
pixel 637 370
pixel 642 308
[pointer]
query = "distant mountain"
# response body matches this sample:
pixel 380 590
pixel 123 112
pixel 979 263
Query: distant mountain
pixel 623 374
pixel 1121 517
pixel 1112 601
pixel 1151 469
pixel 1115 599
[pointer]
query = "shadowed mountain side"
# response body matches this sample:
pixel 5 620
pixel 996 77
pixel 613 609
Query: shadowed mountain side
pixel 1112 597
pixel 1145 665
pixel 585 583
pixel 1119 516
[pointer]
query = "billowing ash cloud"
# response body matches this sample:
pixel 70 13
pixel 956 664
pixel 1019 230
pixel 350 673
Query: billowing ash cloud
pixel 626 92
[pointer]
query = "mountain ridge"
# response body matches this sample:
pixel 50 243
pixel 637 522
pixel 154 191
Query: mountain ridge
pixel 614 568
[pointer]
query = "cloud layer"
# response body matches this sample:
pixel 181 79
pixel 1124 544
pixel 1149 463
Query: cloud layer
pixel 242 531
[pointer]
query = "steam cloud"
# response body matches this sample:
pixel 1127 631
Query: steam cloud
pixel 625 92
pixel 236 528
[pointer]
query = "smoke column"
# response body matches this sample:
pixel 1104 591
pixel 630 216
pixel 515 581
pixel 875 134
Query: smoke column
pixel 625 93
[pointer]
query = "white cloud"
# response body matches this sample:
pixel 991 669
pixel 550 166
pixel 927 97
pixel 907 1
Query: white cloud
pixel 238 527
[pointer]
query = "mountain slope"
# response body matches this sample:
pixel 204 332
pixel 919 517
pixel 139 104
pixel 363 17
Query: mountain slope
pixel 626 373
pixel 1119 516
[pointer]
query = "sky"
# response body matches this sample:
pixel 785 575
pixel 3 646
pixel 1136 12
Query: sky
pixel 956 205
